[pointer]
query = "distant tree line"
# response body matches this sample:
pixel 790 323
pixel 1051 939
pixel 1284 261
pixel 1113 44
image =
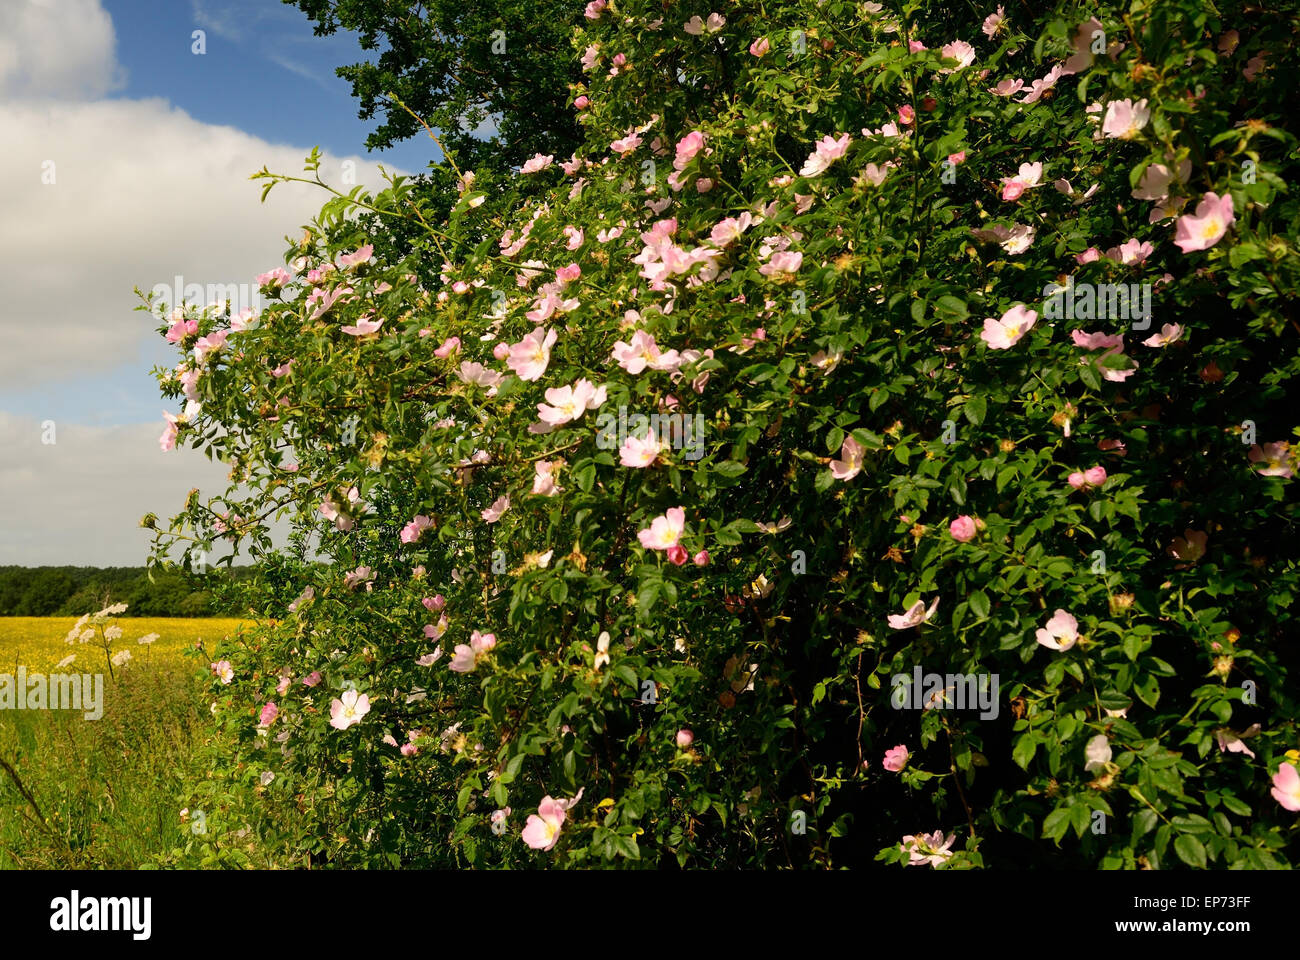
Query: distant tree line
pixel 72 591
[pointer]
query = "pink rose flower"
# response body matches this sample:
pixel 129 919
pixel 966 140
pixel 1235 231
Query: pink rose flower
pixel 1275 457
pixel 1230 741
pixel 640 452
pixel 928 848
pixel 850 463
pixel 363 327
pixel 1190 547
pixel 827 150
pixel 1060 633
pixel 537 163
pixel 494 513
pixel 687 148
pixel 1124 119
pixel 895 758
pixel 411 532
pixel 1086 479
pixel 1206 227
pixel 181 329
pixel 1286 787
pixel 530 356
pixel 542 829
pixel 357 257
pixel 275 278
pixel 993 22
pixel 915 615
pixel 962 529
pixel 467 656
pixel 565 404
pixel 1030 175
pixel 544 484
pixel 1169 333
pixel 1130 253
pixel 643 352
pixel 664 532
pixel 958 50
pixel 1004 333
pixel 349 710
pixel 783 261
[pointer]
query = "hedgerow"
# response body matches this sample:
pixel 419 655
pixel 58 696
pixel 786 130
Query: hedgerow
pixel 970 341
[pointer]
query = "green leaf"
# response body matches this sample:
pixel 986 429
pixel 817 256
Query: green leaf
pixel 1148 690
pixel 979 604
pixel 1088 374
pixel 950 309
pixel 1190 850
pixel 646 597
pixel 975 408
pixel 1024 750
pixel 625 847
pixel 1113 700
pixel 1144 821
pixel 1235 805
pixel 625 673
pixel 1080 818
pixel 1057 822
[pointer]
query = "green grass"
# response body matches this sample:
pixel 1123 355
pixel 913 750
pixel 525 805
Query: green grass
pixel 102 794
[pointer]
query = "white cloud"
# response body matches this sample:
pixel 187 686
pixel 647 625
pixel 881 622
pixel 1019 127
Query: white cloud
pixel 142 193
pixel 139 193
pixel 79 500
pixel 57 49
pixel 223 26
pixel 293 66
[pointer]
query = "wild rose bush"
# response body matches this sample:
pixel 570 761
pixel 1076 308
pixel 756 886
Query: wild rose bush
pixel 854 239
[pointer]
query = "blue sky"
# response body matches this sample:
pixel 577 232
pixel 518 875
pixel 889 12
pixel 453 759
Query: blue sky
pixel 264 72
pixel 126 163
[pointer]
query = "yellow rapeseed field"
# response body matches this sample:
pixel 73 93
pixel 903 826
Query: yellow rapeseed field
pixel 39 643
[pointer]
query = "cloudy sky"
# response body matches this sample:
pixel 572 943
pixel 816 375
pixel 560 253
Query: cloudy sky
pixel 125 163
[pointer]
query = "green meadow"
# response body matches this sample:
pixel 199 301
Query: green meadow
pixel 78 793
